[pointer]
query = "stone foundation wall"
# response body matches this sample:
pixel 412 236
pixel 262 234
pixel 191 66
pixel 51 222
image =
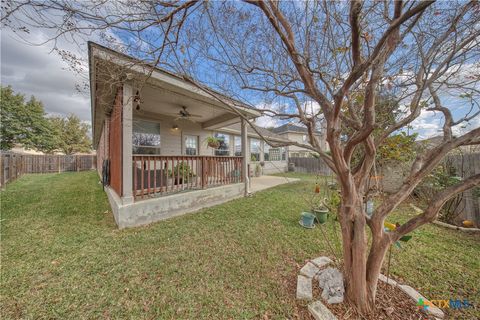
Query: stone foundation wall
pixel 147 211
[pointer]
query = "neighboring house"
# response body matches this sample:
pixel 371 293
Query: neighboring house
pixel 152 130
pixel 300 135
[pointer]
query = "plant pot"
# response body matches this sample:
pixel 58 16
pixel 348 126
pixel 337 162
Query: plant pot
pixel 214 145
pixel 322 215
pixel 307 219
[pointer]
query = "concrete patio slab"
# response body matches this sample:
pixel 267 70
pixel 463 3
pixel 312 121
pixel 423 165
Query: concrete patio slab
pixel 265 182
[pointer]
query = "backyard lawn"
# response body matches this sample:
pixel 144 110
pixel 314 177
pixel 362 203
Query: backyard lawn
pixel 63 257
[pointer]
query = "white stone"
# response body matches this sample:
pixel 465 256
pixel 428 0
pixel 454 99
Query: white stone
pixel 304 288
pixel 321 261
pixel 415 295
pixel 309 270
pixel 383 278
pixel 331 281
pixel 334 300
pixel 320 312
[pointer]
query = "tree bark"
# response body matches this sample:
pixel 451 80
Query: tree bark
pixel 361 274
pixel 355 247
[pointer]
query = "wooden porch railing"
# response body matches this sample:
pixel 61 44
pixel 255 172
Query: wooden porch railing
pixel 159 175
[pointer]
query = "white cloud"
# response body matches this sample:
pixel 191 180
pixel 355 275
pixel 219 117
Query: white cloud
pixel 430 124
pixel 427 125
pixel 465 127
pixel 268 121
pixel 310 107
pixel 36 70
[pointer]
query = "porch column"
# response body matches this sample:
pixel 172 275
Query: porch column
pixel 245 155
pixel 127 118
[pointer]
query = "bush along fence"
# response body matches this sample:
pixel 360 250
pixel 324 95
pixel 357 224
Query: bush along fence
pixel 14 165
pixel 310 165
pixel 466 206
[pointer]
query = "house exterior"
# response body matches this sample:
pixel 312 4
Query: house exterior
pixel 151 131
pixel 299 134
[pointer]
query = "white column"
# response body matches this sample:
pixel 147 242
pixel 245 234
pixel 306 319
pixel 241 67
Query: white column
pixel 245 155
pixel 127 119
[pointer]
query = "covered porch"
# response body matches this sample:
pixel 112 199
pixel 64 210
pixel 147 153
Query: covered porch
pixel 152 138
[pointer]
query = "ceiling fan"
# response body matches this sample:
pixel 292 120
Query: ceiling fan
pixel 184 114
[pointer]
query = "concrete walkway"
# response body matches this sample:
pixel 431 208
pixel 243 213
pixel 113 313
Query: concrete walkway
pixel 265 182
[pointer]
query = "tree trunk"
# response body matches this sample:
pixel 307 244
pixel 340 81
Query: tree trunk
pixel 361 275
pixel 355 253
pixel 378 250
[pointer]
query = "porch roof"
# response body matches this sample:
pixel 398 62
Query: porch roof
pixel 254 133
pixel 165 92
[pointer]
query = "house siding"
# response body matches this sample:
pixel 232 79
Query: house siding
pixel 171 141
pixel 102 148
pixel 298 137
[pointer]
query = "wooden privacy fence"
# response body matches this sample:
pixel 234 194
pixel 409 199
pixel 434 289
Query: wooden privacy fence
pixel 467 165
pixel 310 165
pixel 14 165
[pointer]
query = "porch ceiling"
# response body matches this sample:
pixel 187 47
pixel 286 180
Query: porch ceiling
pixel 156 100
pixel 162 92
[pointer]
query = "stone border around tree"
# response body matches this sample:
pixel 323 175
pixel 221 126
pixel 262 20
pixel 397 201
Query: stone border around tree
pixel 320 312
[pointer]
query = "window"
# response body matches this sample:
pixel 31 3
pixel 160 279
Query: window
pixel 146 137
pixel 273 154
pixel 191 145
pixel 238 146
pixel 266 152
pixel 255 150
pixel 304 138
pixel 224 148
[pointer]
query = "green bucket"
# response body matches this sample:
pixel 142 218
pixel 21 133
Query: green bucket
pixel 308 219
pixel 322 215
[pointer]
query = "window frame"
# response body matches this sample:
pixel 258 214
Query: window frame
pixel 158 147
pixel 184 146
pixel 235 152
pixel 259 149
pixel 222 152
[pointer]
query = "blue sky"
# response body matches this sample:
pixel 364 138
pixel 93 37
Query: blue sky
pixel 36 70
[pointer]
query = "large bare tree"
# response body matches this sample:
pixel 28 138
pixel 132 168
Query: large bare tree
pixel 340 56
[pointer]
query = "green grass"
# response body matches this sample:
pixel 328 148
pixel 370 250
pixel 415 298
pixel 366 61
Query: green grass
pixel 63 257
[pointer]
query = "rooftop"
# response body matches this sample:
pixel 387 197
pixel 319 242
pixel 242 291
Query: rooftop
pixel 288 127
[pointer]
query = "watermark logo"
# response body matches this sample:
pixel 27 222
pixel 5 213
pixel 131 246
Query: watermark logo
pixel 443 304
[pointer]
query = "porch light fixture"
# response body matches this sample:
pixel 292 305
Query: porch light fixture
pixel 175 127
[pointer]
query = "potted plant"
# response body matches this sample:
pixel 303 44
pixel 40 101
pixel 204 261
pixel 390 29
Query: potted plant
pixel 321 212
pixel 184 173
pixel 213 142
pixel 258 170
pixel 307 220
